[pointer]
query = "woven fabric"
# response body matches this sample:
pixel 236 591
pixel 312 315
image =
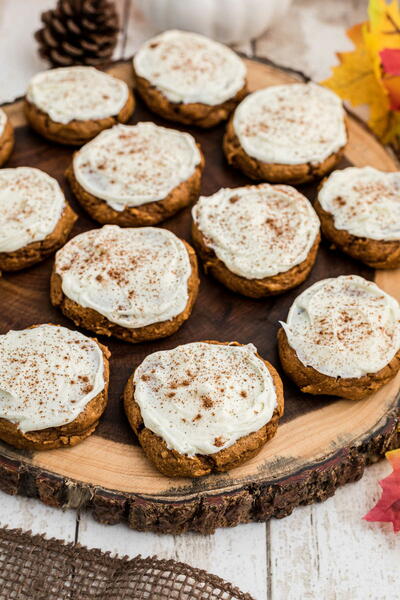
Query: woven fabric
pixel 35 568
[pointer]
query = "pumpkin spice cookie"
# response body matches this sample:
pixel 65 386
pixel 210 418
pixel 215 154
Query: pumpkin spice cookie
pixel 189 78
pixel 71 105
pixel 6 137
pixel 359 209
pixel 35 219
pixel 53 387
pixel 341 338
pixel 203 407
pixel 137 175
pixel 290 133
pixel 257 240
pixel 136 284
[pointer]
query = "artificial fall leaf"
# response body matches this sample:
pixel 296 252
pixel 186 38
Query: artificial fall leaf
pixel 387 510
pixel 354 80
pixel 390 60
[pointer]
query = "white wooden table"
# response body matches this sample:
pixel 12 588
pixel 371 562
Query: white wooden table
pixel 325 551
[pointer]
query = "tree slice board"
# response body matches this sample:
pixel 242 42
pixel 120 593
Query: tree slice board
pixel 321 443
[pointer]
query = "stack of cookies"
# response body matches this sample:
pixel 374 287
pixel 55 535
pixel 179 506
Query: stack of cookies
pixel 203 406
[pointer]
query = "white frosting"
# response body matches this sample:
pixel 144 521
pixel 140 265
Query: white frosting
pixel 363 201
pixel 201 398
pixel 77 93
pixel 134 277
pixel 344 327
pixel 187 67
pixel 48 374
pixel 291 124
pixel 258 231
pixel 135 165
pixel 3 121
pixel 31 204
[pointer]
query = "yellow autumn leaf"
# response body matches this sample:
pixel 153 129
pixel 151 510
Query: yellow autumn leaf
pixel 354 80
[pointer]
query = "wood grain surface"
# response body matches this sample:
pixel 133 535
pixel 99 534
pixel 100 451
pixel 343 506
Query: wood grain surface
pixel 322 443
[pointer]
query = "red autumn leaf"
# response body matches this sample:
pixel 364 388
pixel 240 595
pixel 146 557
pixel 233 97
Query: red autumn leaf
pixel 390 63
pixel 390 59
pixel 387 510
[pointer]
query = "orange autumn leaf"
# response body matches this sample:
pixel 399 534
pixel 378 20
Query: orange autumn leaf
pixel 387 510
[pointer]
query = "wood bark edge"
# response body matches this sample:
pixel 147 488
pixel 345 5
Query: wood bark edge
pixel 252 502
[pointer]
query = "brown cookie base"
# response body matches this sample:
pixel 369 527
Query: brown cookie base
pixel 196 113
pixel 273 172
pixel 253 288
pixel 90 319
pixel 74 133
pixel 151 213
pixel 378 254
pixel 37 251
pixel 6 142
pixel 174 464
pixel 311 381
pixel 65 435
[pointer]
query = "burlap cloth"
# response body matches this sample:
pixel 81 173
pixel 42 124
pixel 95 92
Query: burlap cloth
pixel 35 568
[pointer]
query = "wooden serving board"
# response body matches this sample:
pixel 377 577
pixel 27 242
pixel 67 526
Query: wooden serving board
pixel 321 443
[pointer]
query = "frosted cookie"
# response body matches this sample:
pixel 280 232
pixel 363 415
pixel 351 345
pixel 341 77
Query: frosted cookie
pixel 137 175
pixel 71 105
pixel 35 218
pixel 359 210
pixel 287 133
pixel 203 407
pixel 342 338
pixel 257 240
pixel 189 78
pixel 137 284
pixel 53 387
pixel 6 137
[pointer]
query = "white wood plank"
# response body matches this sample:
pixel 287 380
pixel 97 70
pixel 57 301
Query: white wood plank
pixel 310 34
pixel 18 49
pixel 138 30
pixel 327 551
pixel 30 514
pixel 238 555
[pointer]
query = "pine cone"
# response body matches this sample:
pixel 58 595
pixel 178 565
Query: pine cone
pixel 78 32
